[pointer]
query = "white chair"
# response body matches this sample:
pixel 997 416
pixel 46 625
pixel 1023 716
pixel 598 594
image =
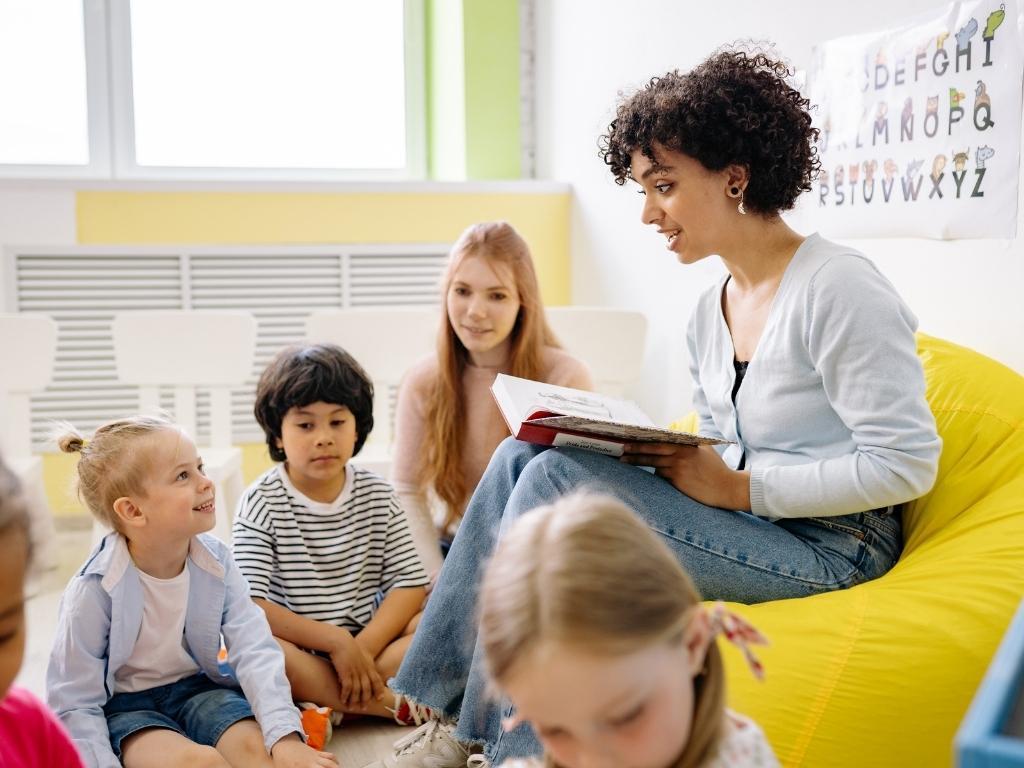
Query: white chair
pixel 189 349
pixel 386 342
pixel 610 341
pixel 28 346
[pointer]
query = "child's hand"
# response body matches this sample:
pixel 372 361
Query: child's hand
pixel 291 752
pixel 357 673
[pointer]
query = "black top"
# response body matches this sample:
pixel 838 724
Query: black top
pixel 741 371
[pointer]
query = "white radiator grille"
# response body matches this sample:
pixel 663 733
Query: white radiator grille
pixel 389 279
pixel 83 287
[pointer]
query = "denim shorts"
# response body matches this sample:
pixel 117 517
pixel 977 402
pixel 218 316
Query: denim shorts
pixel 195 706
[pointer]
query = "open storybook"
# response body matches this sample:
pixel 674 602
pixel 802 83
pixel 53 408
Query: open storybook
pixel 551 415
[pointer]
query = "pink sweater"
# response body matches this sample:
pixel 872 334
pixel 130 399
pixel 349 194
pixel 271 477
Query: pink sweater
pixel 483 426
pixel 30 736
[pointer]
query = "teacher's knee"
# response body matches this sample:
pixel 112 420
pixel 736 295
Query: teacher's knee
pixel 568 468
pixel 549 475
pixel 511 450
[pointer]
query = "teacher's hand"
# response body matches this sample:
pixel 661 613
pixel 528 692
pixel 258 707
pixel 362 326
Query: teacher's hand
pixel 696 470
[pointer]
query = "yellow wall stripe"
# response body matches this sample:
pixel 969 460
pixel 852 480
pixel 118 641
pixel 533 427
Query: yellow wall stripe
pixel 286 217
pixel 268 218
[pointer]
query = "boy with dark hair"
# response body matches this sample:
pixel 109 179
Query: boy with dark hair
pixel 324 544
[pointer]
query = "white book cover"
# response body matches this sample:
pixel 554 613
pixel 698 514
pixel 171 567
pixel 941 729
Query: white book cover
pixel 554 415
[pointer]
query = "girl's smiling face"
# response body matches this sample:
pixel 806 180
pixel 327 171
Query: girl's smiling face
pixel 483 305
pixel 177 498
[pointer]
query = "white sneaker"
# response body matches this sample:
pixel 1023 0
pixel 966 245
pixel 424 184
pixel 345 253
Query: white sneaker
pixel 432 745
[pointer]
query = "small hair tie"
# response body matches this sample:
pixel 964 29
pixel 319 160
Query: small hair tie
pixel 739 632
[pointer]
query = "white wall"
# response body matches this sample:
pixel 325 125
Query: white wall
pixel 36 215
pixel 971 291
pixel 33 215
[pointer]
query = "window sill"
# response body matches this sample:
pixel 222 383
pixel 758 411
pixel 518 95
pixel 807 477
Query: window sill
pixel 521 186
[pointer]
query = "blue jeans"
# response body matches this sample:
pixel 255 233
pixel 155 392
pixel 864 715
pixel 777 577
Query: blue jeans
pixel 730 555
pixel 195 706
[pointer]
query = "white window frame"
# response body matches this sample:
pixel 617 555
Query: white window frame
pixel 94 20
pixel 111 116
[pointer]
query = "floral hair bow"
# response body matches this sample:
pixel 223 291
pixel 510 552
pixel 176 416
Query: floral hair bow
pixel 739 632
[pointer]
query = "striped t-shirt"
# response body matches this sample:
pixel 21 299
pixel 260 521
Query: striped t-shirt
pixel 327 562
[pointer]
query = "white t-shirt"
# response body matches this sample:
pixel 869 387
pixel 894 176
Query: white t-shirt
pixel 743 745
pixel 159 656
pixel 329 562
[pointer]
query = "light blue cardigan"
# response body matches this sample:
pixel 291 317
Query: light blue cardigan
pixel 831 413
pixel 99 620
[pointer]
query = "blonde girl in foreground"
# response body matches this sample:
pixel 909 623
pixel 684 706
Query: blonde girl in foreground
pixel 596 634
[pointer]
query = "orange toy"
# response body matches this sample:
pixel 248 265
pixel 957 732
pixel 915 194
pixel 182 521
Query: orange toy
pixel 316 722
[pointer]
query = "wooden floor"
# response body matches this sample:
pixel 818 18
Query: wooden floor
pixel 359 744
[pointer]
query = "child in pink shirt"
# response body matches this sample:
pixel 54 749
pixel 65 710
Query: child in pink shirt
pixel 30 735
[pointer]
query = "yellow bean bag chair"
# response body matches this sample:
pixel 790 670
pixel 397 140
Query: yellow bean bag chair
pixel 882 674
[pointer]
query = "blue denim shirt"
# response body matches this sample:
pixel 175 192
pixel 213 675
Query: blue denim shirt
pixel 99 620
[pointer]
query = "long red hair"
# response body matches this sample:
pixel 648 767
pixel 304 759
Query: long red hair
pixel 497 242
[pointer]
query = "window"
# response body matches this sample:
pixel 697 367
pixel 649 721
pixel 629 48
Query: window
pixel 212 89
pixel 46 120
pixel 267 84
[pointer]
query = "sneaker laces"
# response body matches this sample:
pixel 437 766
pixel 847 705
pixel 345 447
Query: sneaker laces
pixel 421 736
pixel 415 714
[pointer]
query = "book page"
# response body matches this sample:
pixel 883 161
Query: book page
pixel 628 432
pixel 519 399
pixel 576 404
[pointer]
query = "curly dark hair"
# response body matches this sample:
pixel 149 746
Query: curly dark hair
pixel 734 108
pixel 303 374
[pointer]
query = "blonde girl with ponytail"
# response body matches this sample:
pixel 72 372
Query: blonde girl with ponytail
pixel 134 674
pixel 597 635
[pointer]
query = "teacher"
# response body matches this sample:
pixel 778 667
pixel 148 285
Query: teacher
pixel 802 355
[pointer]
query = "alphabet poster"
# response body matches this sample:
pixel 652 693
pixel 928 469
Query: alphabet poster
pixel 921 125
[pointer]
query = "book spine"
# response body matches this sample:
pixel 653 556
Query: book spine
pixel 532 433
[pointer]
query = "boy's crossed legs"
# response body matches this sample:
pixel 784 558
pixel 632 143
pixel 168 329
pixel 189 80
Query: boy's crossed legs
pixel 314 677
